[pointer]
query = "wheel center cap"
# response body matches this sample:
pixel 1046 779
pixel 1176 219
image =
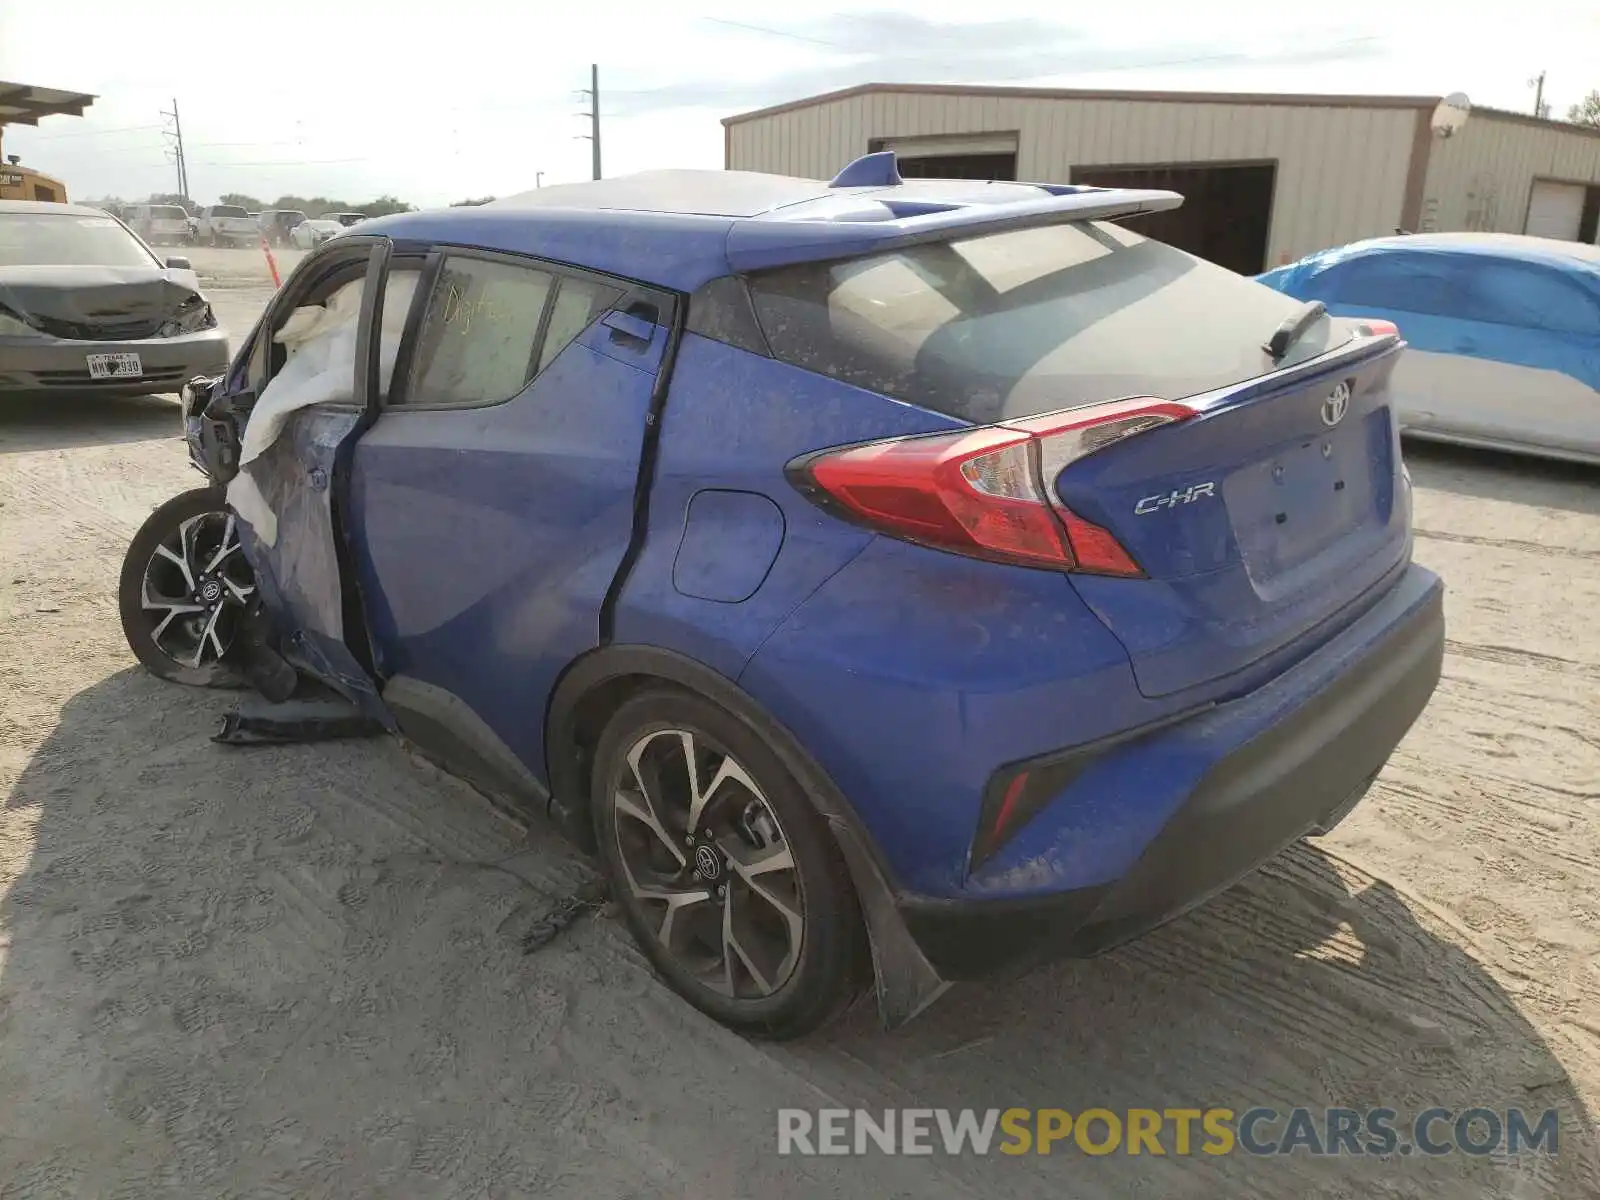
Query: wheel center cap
pixel 707 863
pixel 210 590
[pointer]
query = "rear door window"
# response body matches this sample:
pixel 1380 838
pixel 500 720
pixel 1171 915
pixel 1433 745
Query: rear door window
pixel 577 303
pixel 1429 284
pixel 1029 321
pixel 491 326
pixel 1528 296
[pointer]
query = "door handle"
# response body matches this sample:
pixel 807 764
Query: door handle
pixel 627 327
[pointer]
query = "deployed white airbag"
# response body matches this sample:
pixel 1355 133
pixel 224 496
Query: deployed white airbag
pixel 320 341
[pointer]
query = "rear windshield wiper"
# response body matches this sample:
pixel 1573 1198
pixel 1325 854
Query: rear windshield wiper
pixel 1294 328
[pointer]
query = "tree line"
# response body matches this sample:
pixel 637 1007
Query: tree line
pixel 311 205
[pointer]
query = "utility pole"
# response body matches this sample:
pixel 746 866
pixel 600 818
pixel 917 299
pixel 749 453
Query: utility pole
pixel 176 133
pixel 593 92
pixel 1538 95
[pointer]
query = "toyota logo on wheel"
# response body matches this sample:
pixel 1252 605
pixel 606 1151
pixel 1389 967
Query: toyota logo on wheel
pixel 707 862
pixel 1336 405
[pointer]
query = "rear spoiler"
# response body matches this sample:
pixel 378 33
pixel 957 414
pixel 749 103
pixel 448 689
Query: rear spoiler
pixel 864 219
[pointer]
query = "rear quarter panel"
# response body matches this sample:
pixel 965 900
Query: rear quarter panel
pixel 721 507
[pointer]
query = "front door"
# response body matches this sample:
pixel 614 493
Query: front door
pixel 492 502
pixel 308 407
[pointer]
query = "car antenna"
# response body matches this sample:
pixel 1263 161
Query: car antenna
pixel 881 169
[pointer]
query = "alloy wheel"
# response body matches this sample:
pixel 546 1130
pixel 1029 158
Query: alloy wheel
pixel 707 865
pixel 196 587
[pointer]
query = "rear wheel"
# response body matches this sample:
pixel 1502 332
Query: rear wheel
pixel 725 874
pixel 184 590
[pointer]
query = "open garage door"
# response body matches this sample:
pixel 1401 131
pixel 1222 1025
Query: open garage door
pixel 967 156
pixel 1555 210
pixel 1227 207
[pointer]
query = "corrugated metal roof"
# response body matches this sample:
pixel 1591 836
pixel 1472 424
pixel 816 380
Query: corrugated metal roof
pixel 1307 99
pixel 25 103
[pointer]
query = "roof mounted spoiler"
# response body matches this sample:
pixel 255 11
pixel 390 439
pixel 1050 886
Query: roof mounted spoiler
pixel 828 230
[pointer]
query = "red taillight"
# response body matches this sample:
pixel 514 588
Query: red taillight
pixel 987 492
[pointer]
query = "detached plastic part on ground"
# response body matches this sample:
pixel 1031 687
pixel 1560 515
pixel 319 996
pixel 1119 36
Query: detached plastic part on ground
pixel 256 721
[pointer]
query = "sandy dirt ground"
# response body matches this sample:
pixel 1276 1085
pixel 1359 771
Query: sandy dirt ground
pixel 301 971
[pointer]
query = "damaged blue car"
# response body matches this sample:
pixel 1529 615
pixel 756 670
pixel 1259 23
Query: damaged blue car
pixel 890 583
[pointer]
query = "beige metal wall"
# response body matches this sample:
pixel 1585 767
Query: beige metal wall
pixel 1341 171
pixel 1481 178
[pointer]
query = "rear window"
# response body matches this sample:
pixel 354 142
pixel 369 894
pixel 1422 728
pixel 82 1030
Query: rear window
pixel 1026 322
pixel 168 212
pixel 228 210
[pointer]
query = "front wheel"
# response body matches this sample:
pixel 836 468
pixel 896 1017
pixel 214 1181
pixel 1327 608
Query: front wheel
pixel 726 875
pixel 184 591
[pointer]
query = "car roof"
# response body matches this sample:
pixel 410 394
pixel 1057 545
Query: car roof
pixel 1548 251
pixel 681 228
pixel 50 208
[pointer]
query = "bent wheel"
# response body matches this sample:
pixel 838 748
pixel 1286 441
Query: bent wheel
pixel 726 875
pixel 184 589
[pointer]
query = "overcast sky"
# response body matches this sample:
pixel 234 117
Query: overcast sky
pixel 355 98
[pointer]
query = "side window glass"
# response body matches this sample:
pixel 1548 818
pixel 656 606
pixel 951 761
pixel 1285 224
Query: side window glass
pixel 1408 283
pixel 479 336
pixel 578 302
pixel 1528 297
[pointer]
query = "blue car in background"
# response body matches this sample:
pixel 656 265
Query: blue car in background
pixel 1503 333
pixel 889 581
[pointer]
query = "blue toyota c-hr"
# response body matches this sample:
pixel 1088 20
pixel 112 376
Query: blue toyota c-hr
pixel 891 581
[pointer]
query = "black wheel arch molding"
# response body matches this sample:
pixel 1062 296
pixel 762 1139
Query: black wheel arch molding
pixel 591 688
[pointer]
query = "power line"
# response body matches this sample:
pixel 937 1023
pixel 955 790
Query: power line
pixel 309 162
pixel 83 133
pixel 798 37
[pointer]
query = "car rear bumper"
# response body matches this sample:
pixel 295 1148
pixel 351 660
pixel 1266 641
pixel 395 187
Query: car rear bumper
pixel 1295 756
pixel 49 365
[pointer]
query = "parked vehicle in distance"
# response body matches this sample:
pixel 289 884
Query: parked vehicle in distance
pixel 275 224
pixel 1502 330
pixel 309 234
pixel 86 307
pixel 935 565
pixel 346 219
pixel 226 225
pixel 161 224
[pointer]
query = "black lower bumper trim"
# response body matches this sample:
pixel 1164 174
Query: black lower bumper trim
pixel 1303 775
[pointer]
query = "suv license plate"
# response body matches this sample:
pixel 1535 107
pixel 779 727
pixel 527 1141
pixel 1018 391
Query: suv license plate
pixel 114 366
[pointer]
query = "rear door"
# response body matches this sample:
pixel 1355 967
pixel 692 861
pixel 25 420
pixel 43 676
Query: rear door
pixel 493 500
pixel 1534 331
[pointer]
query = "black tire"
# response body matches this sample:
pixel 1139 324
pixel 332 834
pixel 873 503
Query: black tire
pixel 139 621
pixel 828 967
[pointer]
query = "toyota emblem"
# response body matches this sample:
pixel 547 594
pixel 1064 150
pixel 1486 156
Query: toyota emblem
pixel 707 862
pixel 1336 405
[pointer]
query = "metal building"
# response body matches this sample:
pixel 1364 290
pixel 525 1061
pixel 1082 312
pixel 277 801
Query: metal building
pixel 1267 177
